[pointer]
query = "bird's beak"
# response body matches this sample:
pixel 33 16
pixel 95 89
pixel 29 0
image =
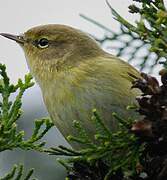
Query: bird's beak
pixel 18 38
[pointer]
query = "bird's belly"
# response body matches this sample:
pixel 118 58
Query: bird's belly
pixel 79 105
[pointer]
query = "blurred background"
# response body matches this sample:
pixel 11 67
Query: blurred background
pixel 18 16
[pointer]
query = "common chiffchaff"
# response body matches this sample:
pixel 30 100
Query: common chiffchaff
pixel 76 76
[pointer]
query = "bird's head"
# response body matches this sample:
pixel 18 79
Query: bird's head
pixel 53 48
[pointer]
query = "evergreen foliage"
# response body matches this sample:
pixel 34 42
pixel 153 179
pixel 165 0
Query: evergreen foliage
pixel 10 112
pixel 112 151
pixel 17 174
pixel 148 34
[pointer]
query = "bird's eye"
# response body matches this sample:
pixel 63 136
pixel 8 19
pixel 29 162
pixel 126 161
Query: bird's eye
pixel 43 43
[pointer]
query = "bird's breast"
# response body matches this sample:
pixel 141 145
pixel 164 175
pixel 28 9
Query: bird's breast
pixel 103 86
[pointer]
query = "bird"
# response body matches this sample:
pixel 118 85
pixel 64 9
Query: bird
pixel 76 75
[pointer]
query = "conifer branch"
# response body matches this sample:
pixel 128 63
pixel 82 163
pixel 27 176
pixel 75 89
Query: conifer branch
pixel 10 112
pixel 17 174
pixel 115 150
pixel 148 34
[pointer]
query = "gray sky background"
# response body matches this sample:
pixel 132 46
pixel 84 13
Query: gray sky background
pixel 16 16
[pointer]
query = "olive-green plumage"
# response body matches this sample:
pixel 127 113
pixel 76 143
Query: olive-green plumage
pixel 76 76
